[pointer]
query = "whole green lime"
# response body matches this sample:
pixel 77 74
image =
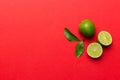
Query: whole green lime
pixel 87 28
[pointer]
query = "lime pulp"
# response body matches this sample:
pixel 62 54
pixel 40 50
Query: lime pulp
pixel 94 50
pixel 104 38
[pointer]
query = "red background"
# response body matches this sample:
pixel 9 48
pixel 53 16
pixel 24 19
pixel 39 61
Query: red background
pixel 33 45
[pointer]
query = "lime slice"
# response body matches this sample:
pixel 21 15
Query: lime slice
pixel 94 50
pixel 105 38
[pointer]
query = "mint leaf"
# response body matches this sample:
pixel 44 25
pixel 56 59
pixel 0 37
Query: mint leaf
pixel 70 36
pixel 79 49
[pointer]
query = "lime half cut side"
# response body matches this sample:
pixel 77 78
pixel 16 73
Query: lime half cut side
pixel 105 38
pixel 94 50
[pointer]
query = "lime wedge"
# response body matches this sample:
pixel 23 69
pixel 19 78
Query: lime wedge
pixel 94 50
pixel 105 38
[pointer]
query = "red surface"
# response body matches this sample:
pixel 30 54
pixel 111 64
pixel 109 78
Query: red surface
pixel 33 47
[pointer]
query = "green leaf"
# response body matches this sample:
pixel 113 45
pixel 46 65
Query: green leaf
pixel 70 36
pixel 79 49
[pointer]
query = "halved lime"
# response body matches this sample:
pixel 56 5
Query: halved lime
pixel 105 38
pixel 94 50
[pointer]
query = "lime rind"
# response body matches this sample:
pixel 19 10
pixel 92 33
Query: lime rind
pixel 105 38
pixel 94 50
pixel 87 28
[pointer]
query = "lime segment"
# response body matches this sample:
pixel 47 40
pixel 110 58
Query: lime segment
pixel 105 38
pixel 94 50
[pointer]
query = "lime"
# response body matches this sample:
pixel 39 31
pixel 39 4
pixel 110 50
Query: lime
pixel 105 38
pixel 94 50
pixel 87 28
